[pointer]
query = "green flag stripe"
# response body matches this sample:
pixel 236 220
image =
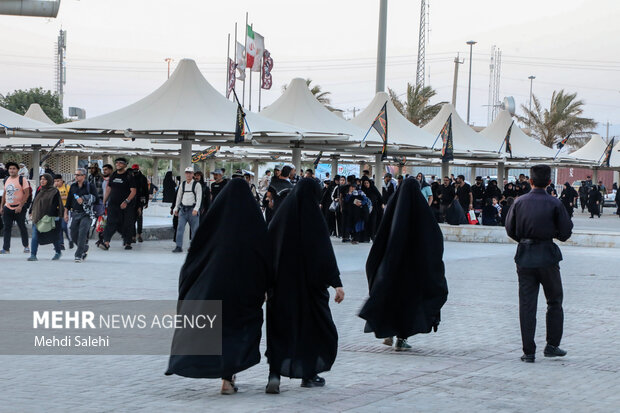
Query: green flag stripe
pixel 250 32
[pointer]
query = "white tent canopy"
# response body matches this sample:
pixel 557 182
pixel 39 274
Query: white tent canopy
pixel 298 106
pixel 11 120
pixel 186 104
pixel 400 130
pixel 594 151
pixel 465 140
pixel 36 112
pixel 523 146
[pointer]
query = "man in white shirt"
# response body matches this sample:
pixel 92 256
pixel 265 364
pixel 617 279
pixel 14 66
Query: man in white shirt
pixel 187 208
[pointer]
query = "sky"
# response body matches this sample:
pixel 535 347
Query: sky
pixel 116 49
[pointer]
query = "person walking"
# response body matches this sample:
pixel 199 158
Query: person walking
pixel 583 196
pixel 533 221
pixel 569 198
pixel 187 206
pixel 594 201
pixel 82 197
pixel 119 198
pixel 142 199
pixel 278 189
pixel 63 188
pixel 46 212
pixel 15 200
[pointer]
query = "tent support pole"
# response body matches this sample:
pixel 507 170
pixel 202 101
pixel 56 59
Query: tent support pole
pixel 255 170
pixel 501 172
pixel 595 176
pixel 297 160
pixel 445 169
pixel 36 160
pixel 186 156
pixel 472 174
pixel 378 170
pixel 334 166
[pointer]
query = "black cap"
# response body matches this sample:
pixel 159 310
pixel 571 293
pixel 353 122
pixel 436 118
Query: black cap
pixel 478 178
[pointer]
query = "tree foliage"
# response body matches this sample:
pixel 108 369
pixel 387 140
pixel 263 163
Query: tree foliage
pixel 20 100
pixel 416 105
pixel 562 117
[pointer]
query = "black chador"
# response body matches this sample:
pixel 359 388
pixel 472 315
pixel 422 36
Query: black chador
pixel 302 340
pixel 405 270
pixel 229 261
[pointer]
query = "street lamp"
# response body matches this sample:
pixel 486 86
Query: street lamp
pixel 471 44
pixel 529 120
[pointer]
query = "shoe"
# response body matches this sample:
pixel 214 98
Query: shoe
pixel 316 381
pixel 97 243
pixel 128 247
pixel 26 250
pixel 389 341
pixel 528 358
pixel 140 238
pixel 228 387
pixel 5 252
pixel 354 242
pixel 77 259
pixel 71 245
pixel 104 247
pixel 554 351
pixel 177 249
pixel 402 345
pixel 62 247
pixel 273 384
pixel 85 253
pixel 33 258
pixel 56 256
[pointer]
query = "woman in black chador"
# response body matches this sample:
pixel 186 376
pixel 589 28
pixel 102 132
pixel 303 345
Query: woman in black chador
pixel 405 270
pixel 595 198
pixel 302 340
pixel 374 196
pixel 169 188
pixel 228 260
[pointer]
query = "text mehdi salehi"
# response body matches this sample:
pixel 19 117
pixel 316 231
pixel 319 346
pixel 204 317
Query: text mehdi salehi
pixel 72 341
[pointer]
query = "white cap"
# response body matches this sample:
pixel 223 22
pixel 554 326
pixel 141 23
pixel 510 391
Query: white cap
pixel 189 169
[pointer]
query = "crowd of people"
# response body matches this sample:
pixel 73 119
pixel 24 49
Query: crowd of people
pixel 114 196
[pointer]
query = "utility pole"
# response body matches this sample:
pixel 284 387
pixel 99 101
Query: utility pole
pixel 471 44
pixel 168 60
pixel 457 62
pixel 61 71
pixel 380 83
pixel 419 74
pixel 529 117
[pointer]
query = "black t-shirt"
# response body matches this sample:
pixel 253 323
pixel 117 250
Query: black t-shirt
pixel 216 187
pixel 447 194
pixel 463 193
pixel 120 187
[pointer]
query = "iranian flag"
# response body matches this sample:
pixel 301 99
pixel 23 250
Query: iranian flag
pixel 254 48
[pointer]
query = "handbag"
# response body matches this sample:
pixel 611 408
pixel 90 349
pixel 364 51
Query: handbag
pixel 46 224
pixel 334 206
pixel 471 217
pixel 101 223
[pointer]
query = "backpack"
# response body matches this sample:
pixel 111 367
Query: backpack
pixel 21 183
pixel 193 192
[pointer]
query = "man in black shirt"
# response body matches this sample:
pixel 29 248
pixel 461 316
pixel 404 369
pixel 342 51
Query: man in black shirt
pixel 80 201
pixel 119 198
pixel 478 193
pixel 533 221
pixel 523 186
pixel 446 196
pixel 218 184
pixel 142 198
pixel 278 189
pixel 463 194
pixel 388 188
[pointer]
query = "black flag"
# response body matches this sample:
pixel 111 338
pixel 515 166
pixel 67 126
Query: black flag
pixel 447 149
pixel 317 160
pixel 561 144
pixel 607 154
pixel 381 126
pixel 240 122
pixel 507 139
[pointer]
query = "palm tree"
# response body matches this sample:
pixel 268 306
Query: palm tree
pixel 319 94
pixel 551 125
pixel 416 106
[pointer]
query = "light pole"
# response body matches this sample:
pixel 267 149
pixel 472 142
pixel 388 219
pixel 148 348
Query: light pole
pixel 168 60
pixel 471 44
pixel 529 117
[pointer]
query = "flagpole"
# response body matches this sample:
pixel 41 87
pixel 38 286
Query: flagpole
pixel 504 141
pixel 250 97
pixel 227 68
pixel 260 84
pixel 245 48
pixel 235 73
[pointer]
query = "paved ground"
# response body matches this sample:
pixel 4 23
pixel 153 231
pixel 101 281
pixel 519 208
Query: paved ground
pixel 608 222
pixel 470 364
